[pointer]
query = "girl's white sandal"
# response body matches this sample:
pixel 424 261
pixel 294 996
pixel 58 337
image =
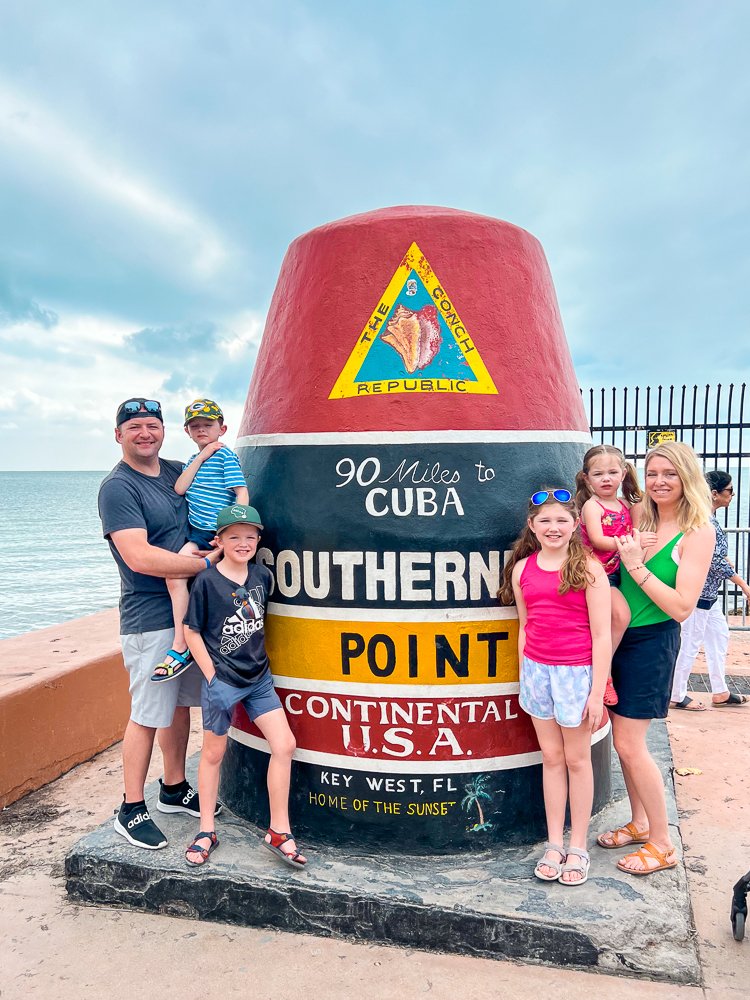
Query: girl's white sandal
pixel 557 866
pixel 581 866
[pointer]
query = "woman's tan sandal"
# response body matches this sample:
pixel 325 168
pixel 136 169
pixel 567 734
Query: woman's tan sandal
pixel 556 866
pixel 581 866
pixel 624 836
pixel 648 853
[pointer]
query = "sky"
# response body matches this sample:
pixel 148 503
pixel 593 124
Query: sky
pixel 156 160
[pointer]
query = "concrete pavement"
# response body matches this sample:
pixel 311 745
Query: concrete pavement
pixel 56 950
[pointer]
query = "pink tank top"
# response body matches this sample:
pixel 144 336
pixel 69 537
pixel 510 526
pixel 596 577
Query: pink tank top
pixel 614 524
pixel 557 626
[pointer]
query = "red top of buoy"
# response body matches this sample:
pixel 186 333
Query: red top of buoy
pixel 414 318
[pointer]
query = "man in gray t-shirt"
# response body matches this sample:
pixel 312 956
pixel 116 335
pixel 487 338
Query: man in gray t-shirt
pixel 145 523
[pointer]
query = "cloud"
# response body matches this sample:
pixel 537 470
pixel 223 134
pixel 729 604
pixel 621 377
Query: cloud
pixel 15 308
pixel 35 131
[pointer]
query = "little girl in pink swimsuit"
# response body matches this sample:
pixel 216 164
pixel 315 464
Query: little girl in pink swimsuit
pixel 604 517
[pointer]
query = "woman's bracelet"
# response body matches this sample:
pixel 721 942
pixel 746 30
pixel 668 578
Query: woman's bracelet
pixel 208 562
pixel 643 581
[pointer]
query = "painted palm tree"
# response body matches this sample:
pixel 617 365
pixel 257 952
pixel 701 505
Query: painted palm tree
pixel 475 792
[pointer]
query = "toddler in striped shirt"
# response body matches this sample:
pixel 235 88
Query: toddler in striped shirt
pixel 211 480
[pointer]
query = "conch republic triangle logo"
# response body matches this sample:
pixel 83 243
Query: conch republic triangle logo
pixel 414 341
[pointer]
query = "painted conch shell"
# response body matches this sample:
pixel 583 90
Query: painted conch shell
pixel 415 336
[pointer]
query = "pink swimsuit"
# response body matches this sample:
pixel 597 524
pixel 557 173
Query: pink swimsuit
pixel 615 523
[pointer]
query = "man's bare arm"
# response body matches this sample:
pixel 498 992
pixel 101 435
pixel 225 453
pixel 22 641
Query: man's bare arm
pixel 142 557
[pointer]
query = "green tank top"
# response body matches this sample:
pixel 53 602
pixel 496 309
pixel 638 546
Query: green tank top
pixel 643 611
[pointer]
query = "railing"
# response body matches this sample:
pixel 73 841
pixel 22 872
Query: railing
pixel 713 421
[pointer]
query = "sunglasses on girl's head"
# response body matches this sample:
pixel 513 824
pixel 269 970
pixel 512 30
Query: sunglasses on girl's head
pixel 564 496
pixel 136 405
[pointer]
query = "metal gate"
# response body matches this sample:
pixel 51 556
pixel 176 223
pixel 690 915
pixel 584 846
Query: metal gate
pixel 712 420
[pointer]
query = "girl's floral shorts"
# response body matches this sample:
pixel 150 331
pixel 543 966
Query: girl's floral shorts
pixel 555 692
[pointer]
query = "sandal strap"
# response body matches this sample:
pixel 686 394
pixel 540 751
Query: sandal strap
pixel 549 846
pixel 654 851
pixel 579 853
pixel 633 830
pixel 648 853
pixel 277 839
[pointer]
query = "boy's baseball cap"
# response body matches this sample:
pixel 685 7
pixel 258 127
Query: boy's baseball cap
pixel 238 513
pixel 205 408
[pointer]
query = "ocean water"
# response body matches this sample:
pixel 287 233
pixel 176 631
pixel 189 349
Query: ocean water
pixel 54 563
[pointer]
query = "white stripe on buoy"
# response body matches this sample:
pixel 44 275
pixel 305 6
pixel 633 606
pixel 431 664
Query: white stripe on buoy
pixel 408 767
pixel 412 437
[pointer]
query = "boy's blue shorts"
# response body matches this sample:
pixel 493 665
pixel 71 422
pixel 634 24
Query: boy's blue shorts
pixel 219 698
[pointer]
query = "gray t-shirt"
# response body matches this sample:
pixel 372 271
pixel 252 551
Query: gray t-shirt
pixel 128 499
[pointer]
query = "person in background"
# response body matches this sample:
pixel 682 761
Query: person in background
pixel 706 625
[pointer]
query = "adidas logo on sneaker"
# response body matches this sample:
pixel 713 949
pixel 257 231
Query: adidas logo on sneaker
pixel 139 829
pixel 183 801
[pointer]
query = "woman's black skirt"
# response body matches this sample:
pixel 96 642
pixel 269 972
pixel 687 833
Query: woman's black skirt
pixel 643 669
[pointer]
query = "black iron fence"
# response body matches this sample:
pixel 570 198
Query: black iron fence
pixel 711 419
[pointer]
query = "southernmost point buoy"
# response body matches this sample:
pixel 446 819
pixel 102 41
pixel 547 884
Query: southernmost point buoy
pixel 413 388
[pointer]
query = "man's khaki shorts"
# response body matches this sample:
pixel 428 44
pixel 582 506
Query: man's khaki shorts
pixel 152 704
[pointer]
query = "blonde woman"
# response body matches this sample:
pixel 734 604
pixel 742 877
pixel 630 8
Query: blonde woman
pixel 661 583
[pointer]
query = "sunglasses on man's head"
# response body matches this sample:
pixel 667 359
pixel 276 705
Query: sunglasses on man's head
pixel 136 405
pixel 563 496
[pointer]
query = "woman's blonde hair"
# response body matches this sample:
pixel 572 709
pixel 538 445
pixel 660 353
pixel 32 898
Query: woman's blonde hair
pixel 694 509
pixel 630 487
pixel 574 573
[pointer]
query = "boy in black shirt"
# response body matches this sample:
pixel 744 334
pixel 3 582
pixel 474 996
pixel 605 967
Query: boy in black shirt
pixel 225 634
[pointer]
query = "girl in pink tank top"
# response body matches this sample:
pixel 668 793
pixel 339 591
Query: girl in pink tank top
pixel 564 650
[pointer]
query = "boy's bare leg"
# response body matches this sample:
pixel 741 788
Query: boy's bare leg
pixel 212 754
pixel 275 728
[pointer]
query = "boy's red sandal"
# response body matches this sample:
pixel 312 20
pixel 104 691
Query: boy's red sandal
pixel 277 839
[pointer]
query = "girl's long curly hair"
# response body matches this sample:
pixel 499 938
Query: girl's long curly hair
pixel 574 573
pixel 630 488
pixel 695 508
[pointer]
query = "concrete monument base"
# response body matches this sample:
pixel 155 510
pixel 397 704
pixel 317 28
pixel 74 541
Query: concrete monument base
pixel 484 904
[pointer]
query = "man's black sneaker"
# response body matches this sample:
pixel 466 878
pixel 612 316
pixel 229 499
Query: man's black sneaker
pixel 139 829
pixel 184 801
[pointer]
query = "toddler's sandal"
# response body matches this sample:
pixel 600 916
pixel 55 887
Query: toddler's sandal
pixel 180 663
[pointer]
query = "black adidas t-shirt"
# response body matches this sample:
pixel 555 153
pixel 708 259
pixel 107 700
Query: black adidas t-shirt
pixel 230 619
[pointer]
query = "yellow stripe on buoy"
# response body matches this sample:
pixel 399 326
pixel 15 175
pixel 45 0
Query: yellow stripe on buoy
pixel 405 652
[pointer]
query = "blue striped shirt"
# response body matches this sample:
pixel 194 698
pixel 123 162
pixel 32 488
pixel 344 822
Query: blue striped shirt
pixel 213 487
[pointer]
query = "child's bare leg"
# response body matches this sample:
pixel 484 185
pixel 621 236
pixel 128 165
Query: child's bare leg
pixel 581 788
pixel 275 728
pixel 554 784
pixel 209 768
pixel 178 594
pixel 620 617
